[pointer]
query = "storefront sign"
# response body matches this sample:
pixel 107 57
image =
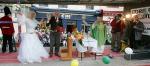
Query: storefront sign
pixel 112 13
pixel 144 14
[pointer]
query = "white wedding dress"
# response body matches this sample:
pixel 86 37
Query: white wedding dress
pixel 31 48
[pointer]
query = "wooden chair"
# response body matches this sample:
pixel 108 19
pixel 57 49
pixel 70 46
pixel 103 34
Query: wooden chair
pixel 80 48
pixel 66 53
pixel 123 45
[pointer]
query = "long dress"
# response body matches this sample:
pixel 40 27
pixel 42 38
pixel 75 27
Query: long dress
pixel 98 31
pixel 31 48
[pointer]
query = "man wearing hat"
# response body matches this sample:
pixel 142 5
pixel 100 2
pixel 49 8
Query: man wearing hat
pixel 99 32
pixel 7 28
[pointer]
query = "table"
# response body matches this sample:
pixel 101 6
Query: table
pixel 90 42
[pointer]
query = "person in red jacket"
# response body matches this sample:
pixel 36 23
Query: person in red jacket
pixel 7 29
pixel 117 32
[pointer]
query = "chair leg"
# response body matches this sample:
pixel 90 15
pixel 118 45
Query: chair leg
pixel 81 56
pixel 95 56
pixel 77 52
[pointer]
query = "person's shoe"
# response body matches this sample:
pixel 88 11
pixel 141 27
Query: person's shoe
pixel 51 55
pixel 15 51
pixel 115 50
pixel 11 51
pixel 56 54
pixel 3 52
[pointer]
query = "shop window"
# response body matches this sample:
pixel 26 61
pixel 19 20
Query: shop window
pixel 43 5
pixel 67 16
pixel 1 10
pixel 89 7
pixel 62 6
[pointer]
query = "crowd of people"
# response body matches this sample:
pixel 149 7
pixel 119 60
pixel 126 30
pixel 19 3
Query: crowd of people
pixel 133 32
pixel 128 31
pixel 31 48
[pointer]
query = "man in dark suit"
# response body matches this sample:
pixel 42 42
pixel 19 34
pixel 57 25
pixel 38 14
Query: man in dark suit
pixel 55 24
pixel 138 30
pixel 7 28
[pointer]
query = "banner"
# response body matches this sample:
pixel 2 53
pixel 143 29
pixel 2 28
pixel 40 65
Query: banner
pixel 144 14
pixel 112 13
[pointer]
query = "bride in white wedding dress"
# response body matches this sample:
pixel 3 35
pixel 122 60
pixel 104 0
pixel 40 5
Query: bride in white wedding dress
pixel 31 48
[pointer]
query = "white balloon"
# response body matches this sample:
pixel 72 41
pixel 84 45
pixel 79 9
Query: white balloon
pixel 64 42
pixel 128 50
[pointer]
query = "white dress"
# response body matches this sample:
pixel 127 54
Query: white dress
pixel 31 48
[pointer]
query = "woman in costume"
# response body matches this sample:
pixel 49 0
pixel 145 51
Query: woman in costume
pixel 98 32
pixel 31 49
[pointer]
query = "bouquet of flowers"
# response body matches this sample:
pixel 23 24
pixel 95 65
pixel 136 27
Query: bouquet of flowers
pixel 79 37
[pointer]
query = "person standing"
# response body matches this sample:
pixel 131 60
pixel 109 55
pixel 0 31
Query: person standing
pixel 7 28
pixel 98 32
pixel 129 36
pixel 56 27
pixel 116 31
pixel 138 30
pixel 31 48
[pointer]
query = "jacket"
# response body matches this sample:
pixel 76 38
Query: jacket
pixel 7 28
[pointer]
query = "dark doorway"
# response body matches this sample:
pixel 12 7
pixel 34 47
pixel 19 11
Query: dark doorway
pixel 69 28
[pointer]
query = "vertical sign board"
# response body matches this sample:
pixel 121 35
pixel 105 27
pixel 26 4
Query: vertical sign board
pixel 144 14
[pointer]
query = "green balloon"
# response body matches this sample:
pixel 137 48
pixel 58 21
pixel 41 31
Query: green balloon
pixel 106 60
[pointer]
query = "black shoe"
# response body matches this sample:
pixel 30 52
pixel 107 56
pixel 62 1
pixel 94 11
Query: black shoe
pixel 11 51
pixel 56 54
pixel 3 52
pixel 51 55
pixel 115 50
pixel 15 51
